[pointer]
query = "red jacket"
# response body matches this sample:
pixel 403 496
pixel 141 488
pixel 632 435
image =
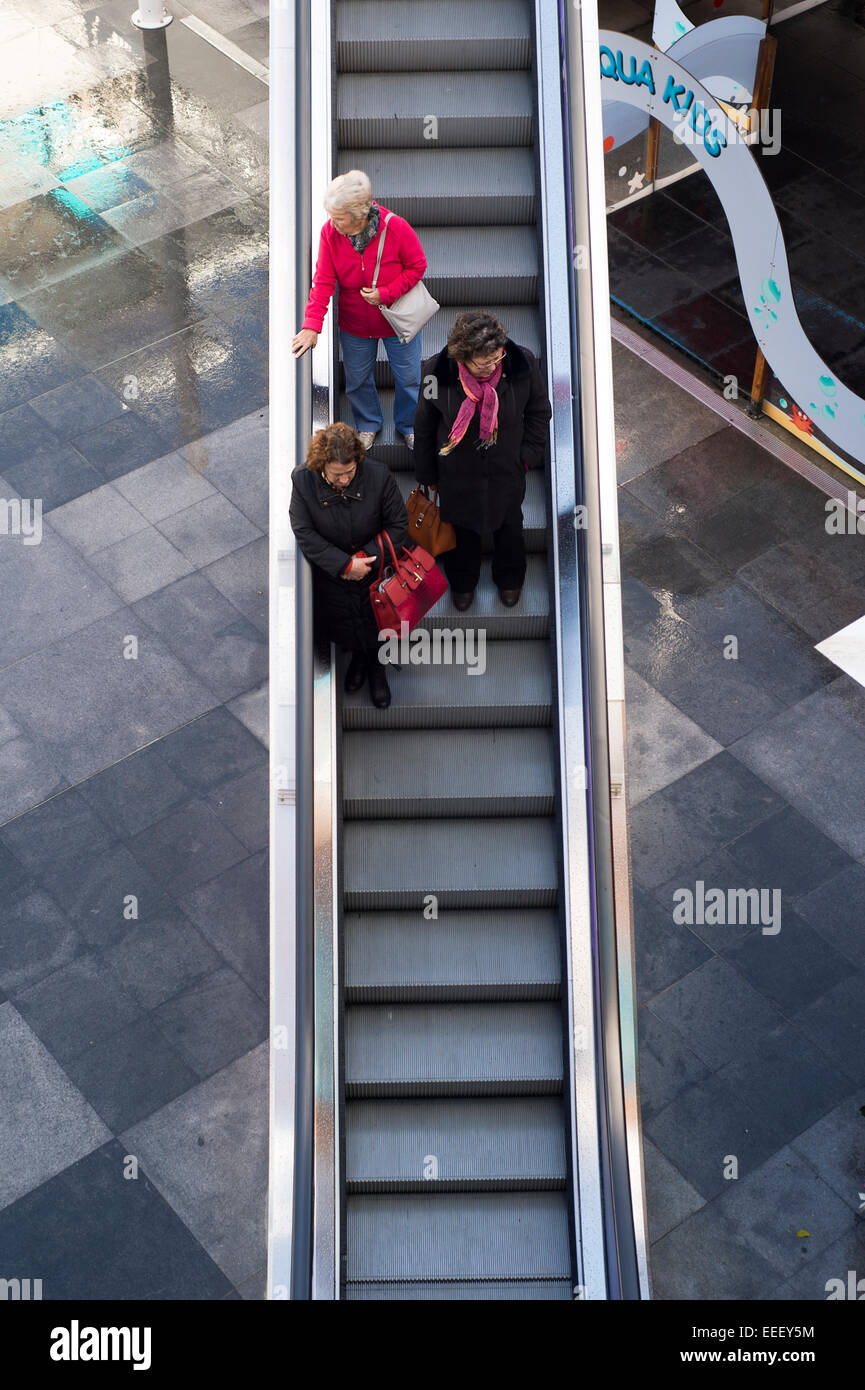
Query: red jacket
pixel 402 265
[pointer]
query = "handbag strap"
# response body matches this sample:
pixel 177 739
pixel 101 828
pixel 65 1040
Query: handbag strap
pixel 380 249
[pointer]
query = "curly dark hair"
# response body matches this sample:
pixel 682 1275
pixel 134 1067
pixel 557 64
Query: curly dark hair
pixel 475 334
pixel 334 444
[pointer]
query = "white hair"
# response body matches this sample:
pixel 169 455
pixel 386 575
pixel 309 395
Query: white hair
pixel 351 192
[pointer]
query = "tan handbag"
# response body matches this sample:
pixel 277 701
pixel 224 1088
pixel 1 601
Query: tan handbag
pixel 425 526
pixel 408 314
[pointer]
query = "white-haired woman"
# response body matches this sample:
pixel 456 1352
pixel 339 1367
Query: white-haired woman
pixel 346 257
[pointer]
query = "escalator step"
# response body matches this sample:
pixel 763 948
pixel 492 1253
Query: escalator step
pixel 529 618
pixel 403 36
pixel 453 1050
pixel 512 689
pixel 450 772
pixel 398 111
pixel 482 1290
pixel 460 1236
pixel 446 188
pixel 484 863
pixel 445 1145
pixel 394 956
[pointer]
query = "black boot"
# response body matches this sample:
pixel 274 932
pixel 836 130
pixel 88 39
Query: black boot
pixel 379 690
pixel 356 673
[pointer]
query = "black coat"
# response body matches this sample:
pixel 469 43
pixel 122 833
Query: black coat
pixel 478 489
pixel 330 526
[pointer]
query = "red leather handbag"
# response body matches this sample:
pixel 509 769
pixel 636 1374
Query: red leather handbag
pixel 407 589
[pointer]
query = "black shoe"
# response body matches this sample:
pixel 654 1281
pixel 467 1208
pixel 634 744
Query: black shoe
pixel 510 596
pixel 462 601
pixel 379 690
pixel 356 673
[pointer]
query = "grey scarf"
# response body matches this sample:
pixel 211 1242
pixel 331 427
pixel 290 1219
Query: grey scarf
pixel 363 239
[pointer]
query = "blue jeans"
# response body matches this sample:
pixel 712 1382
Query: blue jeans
pixel 358 357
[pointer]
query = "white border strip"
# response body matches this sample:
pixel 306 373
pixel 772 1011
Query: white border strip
pixel 230 50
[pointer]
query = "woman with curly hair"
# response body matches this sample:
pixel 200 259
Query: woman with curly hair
pixel 476 433
pixel 341 499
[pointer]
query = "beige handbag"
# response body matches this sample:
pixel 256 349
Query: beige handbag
pixel 408 314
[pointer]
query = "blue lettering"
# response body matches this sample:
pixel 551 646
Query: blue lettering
pixel 714 142
pixel 645 78
pixel 620 64
pixel 672 92
pixel 609 71
pixel 698 110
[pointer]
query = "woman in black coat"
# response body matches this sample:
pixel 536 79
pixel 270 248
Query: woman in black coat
pixel 481 421
pixel 340 500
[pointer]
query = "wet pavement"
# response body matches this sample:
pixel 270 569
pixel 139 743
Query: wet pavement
pixel 133 653
pixel 746 768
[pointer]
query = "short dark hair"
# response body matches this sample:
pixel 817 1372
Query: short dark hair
pixel 475 334
pixel 334 444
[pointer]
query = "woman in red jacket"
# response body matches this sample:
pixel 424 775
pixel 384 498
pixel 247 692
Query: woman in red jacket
pixel 346 257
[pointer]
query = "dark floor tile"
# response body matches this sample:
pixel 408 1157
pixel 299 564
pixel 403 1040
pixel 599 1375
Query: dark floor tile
pixel 664 842
pixel 51 237
pixel 789 853
pixel 23 436
pixel 723 798
pixel 735 360
pixel 664 952
pixel 14 878
pixel 654 222
pixel 786 1081
pixel 187 1021
pixel 837 911
pixel 706 255
pixel 193 382
pixel 241 576
pixel 737 531
pixel 730 293
pixel 95 1234
pixel 79 406
pixel 667 1064
pixel 834 330
pixel 129 1075
pixel 242 806
pixel 696 194
pixel 36 938
pixel 221 258
pixel 698 479
pixel 824 204
pixel 791 578
pixel 654 289
pixel 107 313
pixel 771 651
pixel 102 893
pixel 54 477
pixel 157 958
pixel 211 751
pixel 61 832
pixel 232 912
pixel 249 319
pixel 718 871
pixel 792 968
pixel 31 360
pixel 836 1023
pixel 624 256
pixel 703 1126
pixel 715 692
pixel 831 275
pixel 717 1013
pixel 682 1268
pixel 76 1007
pixel 672 563
pixel 186 848
pixel 119 445
pixel 135 792
pixel 795 504
pixel 208 635
pixel 702 325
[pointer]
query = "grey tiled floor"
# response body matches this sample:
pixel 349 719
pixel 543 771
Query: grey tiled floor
pixel 133 762
pixel 744 773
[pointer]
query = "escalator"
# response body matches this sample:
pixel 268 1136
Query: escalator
pixel 455 1129
pixel 464 1144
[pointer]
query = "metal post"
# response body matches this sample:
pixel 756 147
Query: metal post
pixel 151 14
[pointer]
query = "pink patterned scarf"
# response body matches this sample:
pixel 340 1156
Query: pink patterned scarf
pixel 477 392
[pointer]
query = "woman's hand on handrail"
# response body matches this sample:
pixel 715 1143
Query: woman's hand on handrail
pixel 303 341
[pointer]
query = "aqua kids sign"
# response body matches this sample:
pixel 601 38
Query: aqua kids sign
pixel 654 84
pixel 678 95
